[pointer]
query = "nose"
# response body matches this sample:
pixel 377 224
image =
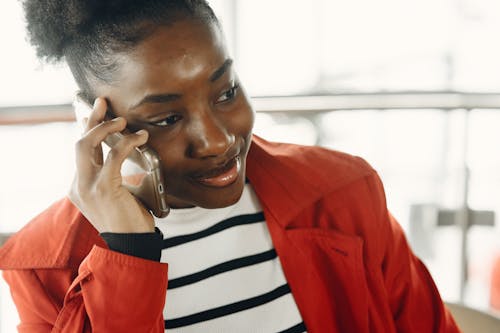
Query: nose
pixel 209 137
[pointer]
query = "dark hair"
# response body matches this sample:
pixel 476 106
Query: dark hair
pixel 89 33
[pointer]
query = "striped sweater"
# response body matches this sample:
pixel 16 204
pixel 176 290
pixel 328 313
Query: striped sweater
pixel 224 274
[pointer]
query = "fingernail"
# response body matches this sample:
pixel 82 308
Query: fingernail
pixel 141 132
pixel 95 102
pixel 117 119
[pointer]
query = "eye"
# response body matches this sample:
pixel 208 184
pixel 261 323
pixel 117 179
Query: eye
pixel 228 94
pixel 168 121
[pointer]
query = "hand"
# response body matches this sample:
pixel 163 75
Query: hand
pixel 97 187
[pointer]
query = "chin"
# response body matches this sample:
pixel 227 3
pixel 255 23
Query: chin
pixel 209 198
pixel 225 198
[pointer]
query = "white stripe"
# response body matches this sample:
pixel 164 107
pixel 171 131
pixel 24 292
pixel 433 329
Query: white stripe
pixel 236 242
pixel 280 313
pixel 225 288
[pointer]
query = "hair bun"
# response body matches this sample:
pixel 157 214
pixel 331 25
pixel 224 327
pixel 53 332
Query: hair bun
pixel 54 24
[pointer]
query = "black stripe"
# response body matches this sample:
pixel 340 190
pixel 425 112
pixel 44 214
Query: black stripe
pixel 221 268
pixel 228 309
pixel 225 224
pixel 299 328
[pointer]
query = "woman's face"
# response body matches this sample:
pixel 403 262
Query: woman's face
pixel 180 85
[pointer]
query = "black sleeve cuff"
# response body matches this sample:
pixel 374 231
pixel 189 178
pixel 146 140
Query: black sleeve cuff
pixel 145 245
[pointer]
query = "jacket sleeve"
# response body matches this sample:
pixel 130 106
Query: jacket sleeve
pixel 113 292
pixel 413 297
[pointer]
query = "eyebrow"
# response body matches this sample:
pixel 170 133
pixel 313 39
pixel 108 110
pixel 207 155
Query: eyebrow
pixel 221 70
pixel 165 98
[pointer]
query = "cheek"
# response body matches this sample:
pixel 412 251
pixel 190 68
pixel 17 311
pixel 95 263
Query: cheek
pixel 171 152
pixel 241 122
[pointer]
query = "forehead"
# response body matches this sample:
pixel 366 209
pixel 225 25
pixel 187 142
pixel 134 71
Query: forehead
pixel 184 51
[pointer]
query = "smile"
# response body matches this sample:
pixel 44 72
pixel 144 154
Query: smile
pixel 223 176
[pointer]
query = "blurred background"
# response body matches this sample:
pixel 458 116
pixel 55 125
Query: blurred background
pixel 411 86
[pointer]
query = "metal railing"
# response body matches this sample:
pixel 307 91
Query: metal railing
pixel 447 100
pixel 379 101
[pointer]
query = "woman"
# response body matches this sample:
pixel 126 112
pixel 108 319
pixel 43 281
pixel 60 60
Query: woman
pixel 325 255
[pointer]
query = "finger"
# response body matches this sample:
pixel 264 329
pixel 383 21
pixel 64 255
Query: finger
pixel 89 157
pixel 98 133
pixel 117 155
pixel 97 114
pixel 88 162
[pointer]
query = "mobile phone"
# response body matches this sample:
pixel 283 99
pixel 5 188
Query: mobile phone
pixel 141 170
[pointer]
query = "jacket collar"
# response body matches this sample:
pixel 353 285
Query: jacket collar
pixel 281 188
pixel 288 178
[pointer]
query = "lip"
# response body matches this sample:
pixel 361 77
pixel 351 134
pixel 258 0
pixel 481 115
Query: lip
pixel 221 176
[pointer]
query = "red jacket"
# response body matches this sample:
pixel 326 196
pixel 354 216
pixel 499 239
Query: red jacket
pixel 345 258
pixel 495 286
